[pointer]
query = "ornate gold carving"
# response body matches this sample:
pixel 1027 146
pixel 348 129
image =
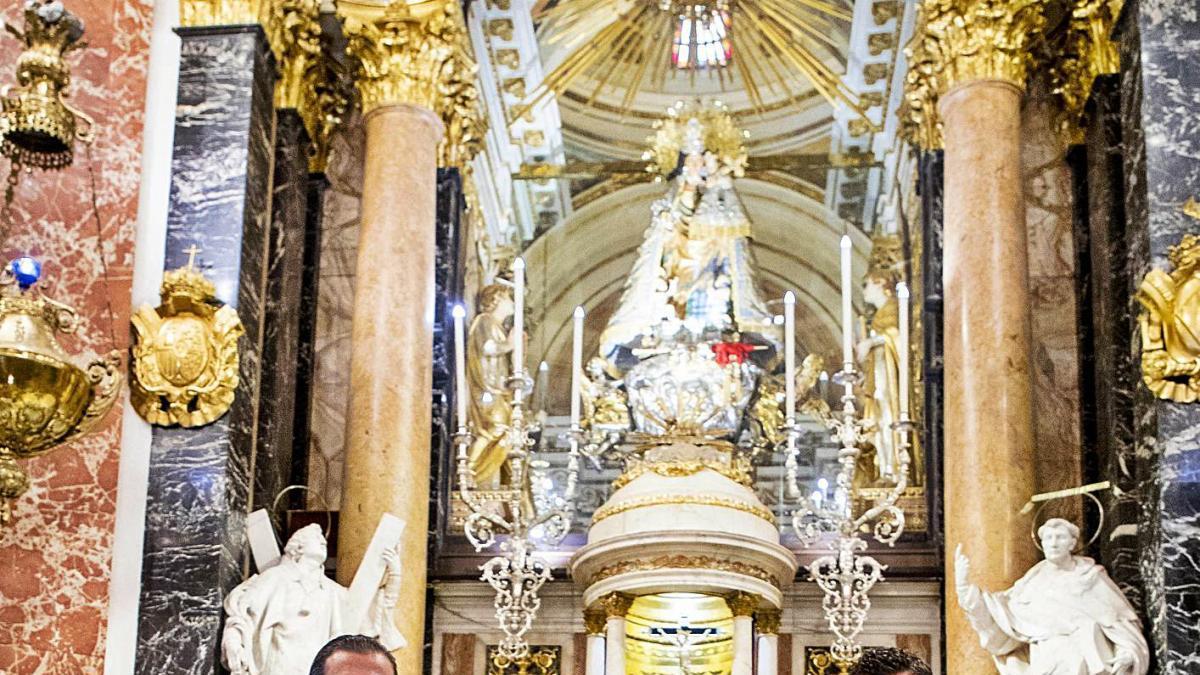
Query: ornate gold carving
pixel 616 604
pixel 515 87
pixel 220 12
pixel 957 41
pixel 884 11
pixel 1085 53
pixel 694 500
pixel 595 621
pixel 509 58
pixel 534 138
pixel 45 400
pixel 819 661
pixel 766 621
pixel 738 471
pixel 1171 325
pixel 741 603
pixel 501 28
pixel 684 562
pixel 331 95
pixel 294 31
pixel 39 127
pixel 185 353
pixel 878 43
pixel 541 660
pixel 420 55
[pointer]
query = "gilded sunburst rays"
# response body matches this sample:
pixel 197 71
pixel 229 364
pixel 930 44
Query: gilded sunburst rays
pixel 771 46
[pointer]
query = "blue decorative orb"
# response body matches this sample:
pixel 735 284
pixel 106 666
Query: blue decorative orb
pixel 27 271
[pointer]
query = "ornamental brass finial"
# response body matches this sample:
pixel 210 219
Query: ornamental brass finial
pixel 38 128
pixel 1171 324
pixel 185 352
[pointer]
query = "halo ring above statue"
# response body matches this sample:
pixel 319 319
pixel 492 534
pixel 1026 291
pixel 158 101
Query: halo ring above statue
pixel 321 497
pixel 1036 524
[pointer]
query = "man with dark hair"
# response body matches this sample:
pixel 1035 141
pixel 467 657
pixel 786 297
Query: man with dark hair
pixel 889 661
pixel 353 655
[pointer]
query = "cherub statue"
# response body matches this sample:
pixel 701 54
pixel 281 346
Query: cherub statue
pixel 1064 616
pixel 277 620
pixel 604 404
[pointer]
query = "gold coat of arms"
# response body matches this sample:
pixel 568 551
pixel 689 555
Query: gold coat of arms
pixel 185 353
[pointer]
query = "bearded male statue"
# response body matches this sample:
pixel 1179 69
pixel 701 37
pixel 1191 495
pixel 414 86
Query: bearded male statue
pixel 1064 617
pixel 279 619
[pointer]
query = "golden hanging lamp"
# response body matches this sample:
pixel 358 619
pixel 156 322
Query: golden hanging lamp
pixel 38 128
pixel 45 399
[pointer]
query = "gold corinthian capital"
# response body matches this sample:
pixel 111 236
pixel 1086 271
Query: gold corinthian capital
pixel 417 54
pixel 221 12
pixel 960 41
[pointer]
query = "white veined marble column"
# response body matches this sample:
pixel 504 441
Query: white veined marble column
pixel 596 622
pixel 767 623
pixel 768 654
pixel 742 605
pixel 616 606
pixel 595 655
pixel 614 646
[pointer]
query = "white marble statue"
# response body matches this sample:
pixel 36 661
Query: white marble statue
pixel 279 619
pixel 1064 617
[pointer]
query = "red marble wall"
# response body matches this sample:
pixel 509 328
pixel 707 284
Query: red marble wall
pixel 55 556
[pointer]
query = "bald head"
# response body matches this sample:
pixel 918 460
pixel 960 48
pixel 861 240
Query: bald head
pixel 353 655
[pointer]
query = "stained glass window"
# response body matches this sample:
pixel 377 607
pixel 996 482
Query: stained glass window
pixel 702 38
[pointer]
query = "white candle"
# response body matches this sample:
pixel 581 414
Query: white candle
pixel 460 364
pixel 847 306
pixel 789 352
pixel 576 365
pixel 519 316
pixel 905 380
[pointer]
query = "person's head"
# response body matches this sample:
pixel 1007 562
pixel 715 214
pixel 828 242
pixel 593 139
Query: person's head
pixel 353 655
pixel 889 661
pixel 307 544
pixel 1059 538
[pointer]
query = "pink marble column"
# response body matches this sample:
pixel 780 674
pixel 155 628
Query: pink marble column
pixel 989 460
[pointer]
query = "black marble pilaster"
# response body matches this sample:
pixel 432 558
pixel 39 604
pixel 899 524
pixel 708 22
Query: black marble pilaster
pixel 931 187
pixel 306 356
pixel 448 283
pixel 448 290
pixel 1112 325
pixel 281 329
pixel 1160 123
pixel 200 479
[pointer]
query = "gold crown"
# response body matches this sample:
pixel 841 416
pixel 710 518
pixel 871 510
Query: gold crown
pixel 187 282
pixel 718 135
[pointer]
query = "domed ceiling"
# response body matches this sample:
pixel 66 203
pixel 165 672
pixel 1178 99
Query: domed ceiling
pixel 616 66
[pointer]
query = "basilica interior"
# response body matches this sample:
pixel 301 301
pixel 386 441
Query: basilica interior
pixel 600 337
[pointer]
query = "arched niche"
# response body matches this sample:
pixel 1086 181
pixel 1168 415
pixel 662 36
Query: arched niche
pixel 585 260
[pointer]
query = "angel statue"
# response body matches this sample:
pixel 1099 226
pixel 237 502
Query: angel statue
pixel 278 619
pixel 490 343
pixel 878 355
pixel 1064 616
pixel 604 404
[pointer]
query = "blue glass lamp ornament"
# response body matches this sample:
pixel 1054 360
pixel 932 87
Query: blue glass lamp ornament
pixel 45 399
pixel 27 271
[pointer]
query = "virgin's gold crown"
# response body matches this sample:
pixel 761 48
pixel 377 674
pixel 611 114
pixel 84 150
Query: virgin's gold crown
pixel 696 128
